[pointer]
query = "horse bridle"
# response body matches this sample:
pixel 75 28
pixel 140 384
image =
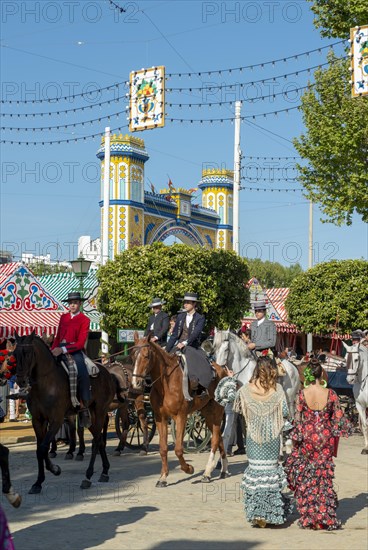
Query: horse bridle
pixel 351 372
pixel 148 384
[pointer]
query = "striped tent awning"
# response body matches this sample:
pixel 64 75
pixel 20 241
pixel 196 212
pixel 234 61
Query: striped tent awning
pixel 24 323
pixel 281 326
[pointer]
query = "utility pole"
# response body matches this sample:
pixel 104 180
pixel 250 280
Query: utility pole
pixel 105 227
pixel 237 166
pixel 310 264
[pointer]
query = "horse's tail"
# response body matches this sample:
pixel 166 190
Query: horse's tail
pixel 120 390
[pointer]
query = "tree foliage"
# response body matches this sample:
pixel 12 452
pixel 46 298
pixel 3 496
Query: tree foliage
pixel 273 274
pixel 335 145
pixel 327 292
pixel 128 284
pixel 336 17
pixel 41 268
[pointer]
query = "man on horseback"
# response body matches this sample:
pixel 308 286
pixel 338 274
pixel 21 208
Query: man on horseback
pixel 71 338
pixel 263 332
pixel 186 338
pixel 158 322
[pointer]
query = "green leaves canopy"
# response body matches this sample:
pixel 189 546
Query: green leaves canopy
pixel 128 284
pixel 336 17
pixel 336 289
pixel 335 145
pixel 273 274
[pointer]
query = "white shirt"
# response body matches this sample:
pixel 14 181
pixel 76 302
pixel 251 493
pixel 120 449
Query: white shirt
pixel 260 321
pixel 189 319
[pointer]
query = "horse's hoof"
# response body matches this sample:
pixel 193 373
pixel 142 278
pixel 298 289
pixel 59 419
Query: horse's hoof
pixel 161 484
pixel 224 475
pixel 190 469
pixel 17 502
pixel 206 479
pixel 364 452
pixel 68 456
pixel 52 454
pixel 104 478
pixel 56 470
pixel 142 453
pixel 79 457
pixel 35 490
pixel 116 453
pixel 86 484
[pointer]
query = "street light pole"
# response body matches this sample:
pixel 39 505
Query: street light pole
pixel 310 264
pixel 105 228
pixel 237 165
pixel 80 268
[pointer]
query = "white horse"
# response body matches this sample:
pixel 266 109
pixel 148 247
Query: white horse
pixel 357 364
pixel 232 351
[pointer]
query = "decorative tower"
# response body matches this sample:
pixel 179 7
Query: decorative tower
pixel 217 193
pixel 126 216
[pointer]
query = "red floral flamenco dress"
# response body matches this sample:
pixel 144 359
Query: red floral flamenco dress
pixel 310 467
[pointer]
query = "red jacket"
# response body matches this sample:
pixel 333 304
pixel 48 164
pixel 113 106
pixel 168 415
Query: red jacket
pixel 73 331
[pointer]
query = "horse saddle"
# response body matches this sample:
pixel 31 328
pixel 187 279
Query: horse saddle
pixel 120 373
pixel 92 369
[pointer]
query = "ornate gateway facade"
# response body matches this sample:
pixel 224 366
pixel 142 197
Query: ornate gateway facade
pixel 138 217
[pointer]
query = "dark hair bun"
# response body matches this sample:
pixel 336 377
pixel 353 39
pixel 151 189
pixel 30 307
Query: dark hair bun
pixel 316 368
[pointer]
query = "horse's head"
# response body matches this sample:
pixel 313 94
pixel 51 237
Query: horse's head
pixel 221 345
pixel 140 355
pixel 25 359
pixel 352 362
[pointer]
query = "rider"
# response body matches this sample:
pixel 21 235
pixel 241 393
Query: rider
pixel 71 338
pixel 263 332
pixel 186 337
pixel 158 322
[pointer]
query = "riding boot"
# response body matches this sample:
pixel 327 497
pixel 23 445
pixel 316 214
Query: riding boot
pixel 84 418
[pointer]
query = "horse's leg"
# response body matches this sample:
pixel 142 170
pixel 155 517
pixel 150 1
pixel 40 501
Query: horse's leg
pixel 104 477
pixel 82 445
pixel 53 448
pixel 213 414
pixel 97 445
pixel 14 498
pixel 124 419
pixel 180 424
pixel 70 421
pixel 44 438
pixel 161 424
pixel 142 416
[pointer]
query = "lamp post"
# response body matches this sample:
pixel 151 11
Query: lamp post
pixel 80 268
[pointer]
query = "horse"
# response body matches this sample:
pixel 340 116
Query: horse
pixel 49 403
pixel 167 401
pixel 232 351
pixel 357 376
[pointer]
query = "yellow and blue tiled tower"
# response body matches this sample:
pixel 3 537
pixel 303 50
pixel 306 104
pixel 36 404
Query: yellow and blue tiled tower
pixel 138 217
pixel 126 216
pixel 217 193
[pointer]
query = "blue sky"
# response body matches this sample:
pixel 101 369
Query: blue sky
pixel 49 194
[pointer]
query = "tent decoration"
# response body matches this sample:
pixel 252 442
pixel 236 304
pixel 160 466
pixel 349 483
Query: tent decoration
pixel 25 304
pixel 60 284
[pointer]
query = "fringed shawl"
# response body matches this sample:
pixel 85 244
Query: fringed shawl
pixel 264 416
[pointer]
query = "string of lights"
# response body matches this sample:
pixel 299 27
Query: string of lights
pixel 61 98
pixel 59 141
pixel 269 180
pixel 63 126
pixel 250 100
pixel 64 112
pixel 116 6
pixel 225 119
pixel 272 189
pixel 268 158
pixel 256 65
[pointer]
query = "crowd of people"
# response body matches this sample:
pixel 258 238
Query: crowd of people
pixel 267 483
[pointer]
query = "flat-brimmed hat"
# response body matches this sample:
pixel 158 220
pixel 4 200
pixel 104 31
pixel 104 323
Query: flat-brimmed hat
pixel 357 335
pixel 190 297
pixel 260 304
pixel 74 296
pixel 157 302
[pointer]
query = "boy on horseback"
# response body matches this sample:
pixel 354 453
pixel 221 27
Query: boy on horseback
pixel 158 322
pixel 263 332
pixel 71 338
pixel 186 338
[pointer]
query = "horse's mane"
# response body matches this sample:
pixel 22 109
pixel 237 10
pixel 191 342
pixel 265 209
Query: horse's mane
pixel 221 336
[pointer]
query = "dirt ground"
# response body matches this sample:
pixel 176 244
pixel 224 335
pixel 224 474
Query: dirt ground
pixel 129 512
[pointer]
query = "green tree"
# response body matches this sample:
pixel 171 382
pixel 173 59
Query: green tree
pixel 336 17
pixel 40 268
pixel 273 274
pixel 335 145
pixel 327 292
pixel 128 283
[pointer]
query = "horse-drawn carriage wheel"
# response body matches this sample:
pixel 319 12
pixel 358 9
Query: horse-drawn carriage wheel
pixel 196 435
pixel 134 439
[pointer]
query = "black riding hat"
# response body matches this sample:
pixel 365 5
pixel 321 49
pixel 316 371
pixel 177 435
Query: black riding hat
pixel 74 296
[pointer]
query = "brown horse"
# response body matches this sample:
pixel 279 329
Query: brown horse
pixel 49 403
pixel 167 401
